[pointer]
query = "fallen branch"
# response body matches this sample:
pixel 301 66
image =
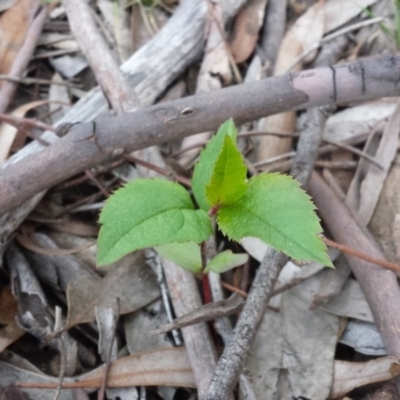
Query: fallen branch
pixel 379 286
pixel 88 144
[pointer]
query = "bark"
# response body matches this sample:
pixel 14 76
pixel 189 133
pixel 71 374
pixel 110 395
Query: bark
pixel 88 144
pixel 199 345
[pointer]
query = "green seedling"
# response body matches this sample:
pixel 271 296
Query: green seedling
pixel 161 214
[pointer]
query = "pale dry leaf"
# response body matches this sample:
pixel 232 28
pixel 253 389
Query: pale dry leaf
pixel 74 226
pixel 58 40
pixel 107 319
pixel 117 19
pixel 331 282
pixel 292 354
pixel 338 12
pixel 6 4
pixel 350 302
pixel 14 24
pixel 373 182
pixel 56 271
pixel 358 120
pixel 246 29
pixel 59 98
pixel 68 241
pixel 130 279
pixel 28 243
pixel 8 132
pixel 364 338
pixel 349 375
pixel 139 324
pixel 160 367
pixel 69 66
pixel 385 223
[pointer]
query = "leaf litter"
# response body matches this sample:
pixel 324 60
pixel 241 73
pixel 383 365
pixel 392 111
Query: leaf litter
pixel 295 347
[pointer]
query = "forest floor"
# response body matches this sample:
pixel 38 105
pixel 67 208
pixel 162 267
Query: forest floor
pixel 97 94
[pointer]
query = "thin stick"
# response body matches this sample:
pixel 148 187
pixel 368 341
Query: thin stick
pixel 21 123
pixel 162 171
pixel 354 150
pixel 36 81
pixel 363 256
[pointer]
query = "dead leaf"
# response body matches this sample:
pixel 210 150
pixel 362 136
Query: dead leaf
pixel 11 374
pixel 160 367
pixel 9 329
pixel 28 242
pixel 8 132
pixel 117 20
pixel 385 223
pixel 358 120
pixel 373 182
pixel 58 94
pixel 6 4
pixel 338 12
pixel 291 356
pixel 57 271
pixel 67 241
pixel 139 324
pixel 348 375
pixel 130 279
pixel 74 226
pixel 246 28
pixel 32 302
pixel 58 40
pixel 107 320
pixel 14 24
pixel 364 338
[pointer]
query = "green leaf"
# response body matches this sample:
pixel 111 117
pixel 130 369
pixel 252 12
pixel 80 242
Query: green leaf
pixel 147 213
pixel 275 210
pixel 228 182
pixel 186 255
pixel 225 261
pixel 204 169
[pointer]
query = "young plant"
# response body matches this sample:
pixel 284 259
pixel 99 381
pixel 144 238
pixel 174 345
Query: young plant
pixel 161 214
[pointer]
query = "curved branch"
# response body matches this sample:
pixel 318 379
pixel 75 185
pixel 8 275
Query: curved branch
pixel 88 144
